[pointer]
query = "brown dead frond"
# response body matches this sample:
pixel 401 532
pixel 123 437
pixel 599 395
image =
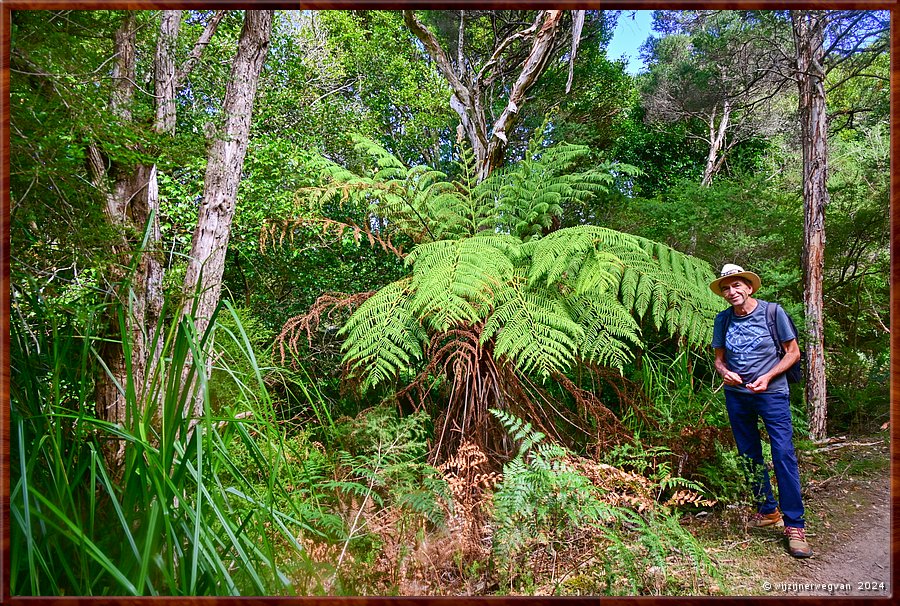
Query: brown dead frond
pixel 629 394
pixel 471 482
pixel 327 231
pixel 609 429
pixel 618 488
pixel 688 497
pixel 333 306
pixel 470 381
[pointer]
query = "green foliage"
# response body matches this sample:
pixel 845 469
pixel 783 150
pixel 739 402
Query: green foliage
pixel 373 81
pixel 726 476
pixel 545 302
pixel 541 494
pixel 175 517
pixel 386 453
pixel 664 156
pixel 858 265
pixel 545 503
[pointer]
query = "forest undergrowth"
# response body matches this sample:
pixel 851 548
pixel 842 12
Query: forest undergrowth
pixel 279 492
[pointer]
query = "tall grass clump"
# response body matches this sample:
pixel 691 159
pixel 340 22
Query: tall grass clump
pixel 173 514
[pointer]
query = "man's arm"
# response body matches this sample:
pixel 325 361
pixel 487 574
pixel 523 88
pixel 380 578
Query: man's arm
pixel 729 376
pixel 791 355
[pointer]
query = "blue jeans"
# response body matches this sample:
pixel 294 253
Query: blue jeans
pixel 774 408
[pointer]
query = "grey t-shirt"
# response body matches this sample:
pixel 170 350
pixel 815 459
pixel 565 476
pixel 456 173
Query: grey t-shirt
pixel 749 348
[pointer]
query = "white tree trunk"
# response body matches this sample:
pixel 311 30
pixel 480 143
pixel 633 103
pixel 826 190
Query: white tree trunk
pixel 716 143
pixel 225 161
pixel 809 39
pixel 132 205
pixel 467 99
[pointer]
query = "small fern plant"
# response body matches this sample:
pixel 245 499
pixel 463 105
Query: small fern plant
pixel 542 496
pixel 544 501
pixel 485 261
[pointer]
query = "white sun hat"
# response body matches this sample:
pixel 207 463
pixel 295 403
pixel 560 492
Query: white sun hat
pixel 730 270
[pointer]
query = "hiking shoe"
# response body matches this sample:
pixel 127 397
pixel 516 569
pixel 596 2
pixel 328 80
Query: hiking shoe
pixel 796 540
pixel 762 520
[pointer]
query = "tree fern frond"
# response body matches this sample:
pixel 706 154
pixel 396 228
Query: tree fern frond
pixel 383 157
pixel 676 288
pixel 610 331
pixel 471 209
pixel 532 328
pixel 529 194
pixel 519 429
pixel 603 253
pixel 456 281
pixel 382 336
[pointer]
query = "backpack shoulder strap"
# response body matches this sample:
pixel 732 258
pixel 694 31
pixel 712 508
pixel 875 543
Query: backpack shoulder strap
pixel 771 310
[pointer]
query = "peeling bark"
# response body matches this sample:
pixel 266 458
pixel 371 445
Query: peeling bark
pixel 132 205
pixel 467 100
pixel 206 264
pixel 716 143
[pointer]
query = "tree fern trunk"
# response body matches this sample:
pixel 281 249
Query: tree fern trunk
pixel 809 39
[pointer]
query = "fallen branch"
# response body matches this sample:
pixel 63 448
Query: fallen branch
pixel 842 445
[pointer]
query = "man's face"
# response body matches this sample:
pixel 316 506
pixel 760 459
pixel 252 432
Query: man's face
pixel 735 291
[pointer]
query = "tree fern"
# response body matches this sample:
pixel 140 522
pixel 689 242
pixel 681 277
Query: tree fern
pixel 530 194
pixel 383 337
pixel 599 253
pixel 532 328
pixel 538 303
pixel 471 208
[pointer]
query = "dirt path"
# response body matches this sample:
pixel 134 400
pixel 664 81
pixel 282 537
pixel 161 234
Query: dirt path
pixel 852 550
pixel 849 532
pixel 848 504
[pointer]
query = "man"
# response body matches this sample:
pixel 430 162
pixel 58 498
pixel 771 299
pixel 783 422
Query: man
pixel 755 386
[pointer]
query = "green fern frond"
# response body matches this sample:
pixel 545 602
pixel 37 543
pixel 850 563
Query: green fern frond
pixel 382 336
pixel 675 288
pixel 383 158
pixel 531 193
pixel 519 429
pixel 456 281
pixel 471 209
pixel 600 253
pixel 532 328
pixel 610 331
pixel 648 277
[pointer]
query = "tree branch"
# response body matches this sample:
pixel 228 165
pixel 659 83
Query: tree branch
pixel 202 42
pixel 505 44
pixel 433 47
pixel 531 69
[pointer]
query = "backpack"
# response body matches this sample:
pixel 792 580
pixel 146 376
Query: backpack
pixel 794 374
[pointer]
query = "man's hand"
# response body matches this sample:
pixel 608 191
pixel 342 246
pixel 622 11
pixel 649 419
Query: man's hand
pixel 759 385
pixel 732 378
pixel 729 376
